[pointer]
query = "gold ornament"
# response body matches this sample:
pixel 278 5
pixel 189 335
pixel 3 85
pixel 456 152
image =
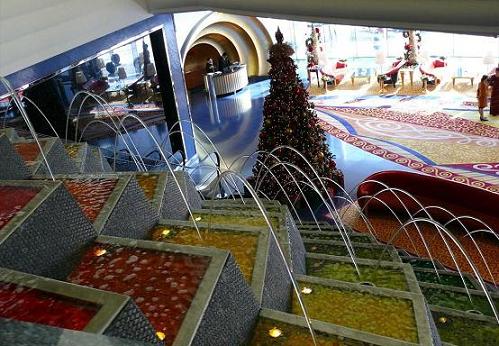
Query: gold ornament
pixel 165 232
pixel 161 336
pixel 275 332
pixel 99 252
pixel 442 319
pixel 306 290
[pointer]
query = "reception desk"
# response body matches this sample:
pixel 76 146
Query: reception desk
pixel 227 83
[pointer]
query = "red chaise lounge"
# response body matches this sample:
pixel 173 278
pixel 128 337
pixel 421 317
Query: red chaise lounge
pixel 458 198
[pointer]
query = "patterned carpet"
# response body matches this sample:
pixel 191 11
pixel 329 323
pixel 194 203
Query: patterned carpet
pixel 435 133
pixel 385 227
pixel 431 143
pixel 436 120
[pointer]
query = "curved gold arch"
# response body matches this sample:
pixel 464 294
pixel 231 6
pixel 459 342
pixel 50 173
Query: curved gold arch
pixel 247 34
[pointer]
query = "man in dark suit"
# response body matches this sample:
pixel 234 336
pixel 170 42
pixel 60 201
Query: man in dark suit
pixel 224 63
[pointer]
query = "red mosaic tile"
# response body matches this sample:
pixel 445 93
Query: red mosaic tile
pixel 163 284
pixel 91 194
pixel 28 151
pixel 12 200
pixel 32 305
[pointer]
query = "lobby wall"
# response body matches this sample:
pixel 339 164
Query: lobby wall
pixel 45 68
pixel 32 31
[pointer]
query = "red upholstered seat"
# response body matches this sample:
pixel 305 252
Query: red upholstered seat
pixel 458 198
pixel 391 75
pixel 433 70
pixel 335 71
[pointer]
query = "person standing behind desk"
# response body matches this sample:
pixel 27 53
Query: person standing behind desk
pixel 224 63
pixel 210 68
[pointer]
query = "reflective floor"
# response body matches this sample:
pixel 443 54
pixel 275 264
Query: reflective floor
pixel 234 123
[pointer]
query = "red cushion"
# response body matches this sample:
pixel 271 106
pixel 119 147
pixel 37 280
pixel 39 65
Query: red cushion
pixel 341 64
pixel 458 198
pixel 439 63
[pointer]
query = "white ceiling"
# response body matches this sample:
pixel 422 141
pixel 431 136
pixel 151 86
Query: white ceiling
pixel 459 16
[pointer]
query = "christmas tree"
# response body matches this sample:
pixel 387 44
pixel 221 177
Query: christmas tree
pixel 289 119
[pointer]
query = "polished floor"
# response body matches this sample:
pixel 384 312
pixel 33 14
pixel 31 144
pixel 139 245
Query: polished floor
pixel 434 133
pixel 235 122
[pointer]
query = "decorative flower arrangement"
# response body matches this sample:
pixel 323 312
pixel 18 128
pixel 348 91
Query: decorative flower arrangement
pixel 411 47
pixel 312 43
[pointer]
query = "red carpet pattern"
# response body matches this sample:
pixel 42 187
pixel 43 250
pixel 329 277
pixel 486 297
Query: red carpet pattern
pixel 437 120
pixel 403 160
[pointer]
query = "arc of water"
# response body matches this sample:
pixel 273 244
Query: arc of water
pixel 199 129
pixel 247 157
pixel 212 160
pixel 347 238
pixel 393 191
pixel 116 134
pixel 102 103
pixel 264 195
pixel 87 94
pixel 186 202
pixel 276 240
pixel 142 167
pixel 25 117
pixel 105 106
pixel 68 115
pixel 397 218
pixel 307 203
pixel 335 215
pixel 283 190
pixel 488 231
pixel 344 234
pixel 452 256
pixel 338 222
pixel 39 111
pixel 302 194
pixel 351 202
pixel 455 218
pixel 440 229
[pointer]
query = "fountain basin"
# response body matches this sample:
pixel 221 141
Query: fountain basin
pixel 106 199
pixel 12 165
pixel 282 222
pixel 293 328
pixel 447 278
pixel 87 159
pixel 457 299
pixel 15 333
pixel 324 226
pixel 338 248
pixel 190 294
pixel 421 262
pixel 383 317
pixel 464 329
pixel 164 195
pixel 230 204
pixel 391 275
pixel 10 133
pixel 54 151
pixel 253 249
pixel 30 298
pixel 250 218
pixel 45 231
pixel 336 236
